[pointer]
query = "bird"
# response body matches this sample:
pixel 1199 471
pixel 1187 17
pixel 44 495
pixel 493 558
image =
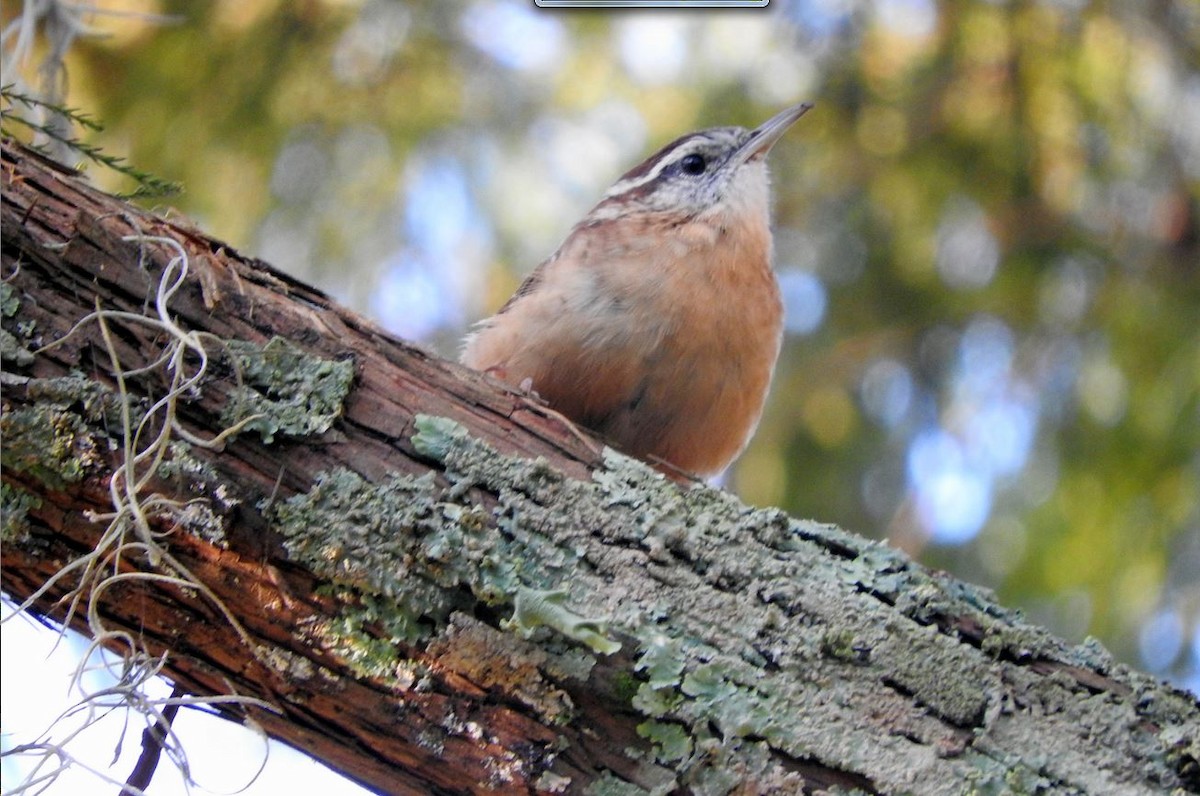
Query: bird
pixel 658 321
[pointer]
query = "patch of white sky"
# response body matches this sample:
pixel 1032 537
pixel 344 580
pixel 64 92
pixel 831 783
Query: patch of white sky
pixel 35 676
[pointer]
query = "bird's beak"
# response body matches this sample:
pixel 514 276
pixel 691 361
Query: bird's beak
pixel 766 134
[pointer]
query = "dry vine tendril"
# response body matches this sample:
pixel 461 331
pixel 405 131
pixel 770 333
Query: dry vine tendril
pixel 129 537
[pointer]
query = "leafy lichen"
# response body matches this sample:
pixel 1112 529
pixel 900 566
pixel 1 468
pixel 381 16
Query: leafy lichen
pixel 408 553
pixel 506 662
pixel 757 639
pixel 192 476
pixel 12 350
pixel 758 636
pixel 437 436
pixel 9 303
pixel 63 432
pixel 672 743
pixel 48 442
pixel 365 632
pixel 608 785
pixel 285 390
pixel 96 403
pixel 534 608
pixel 15 504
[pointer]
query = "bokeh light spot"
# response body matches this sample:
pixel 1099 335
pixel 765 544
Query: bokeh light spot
pixel 367 47
pixel 1000 436
pixel 882 130
pixel 409 300
pixel 911 18
pixel 1161 640
pixel 1066 291
pixel 652 48
pixel 886 391
pixel 1102 390
pixel 829 415
pixel 952 499
pixel 803 300
pixel 1002 547
pixel 967 252
pixel 515 34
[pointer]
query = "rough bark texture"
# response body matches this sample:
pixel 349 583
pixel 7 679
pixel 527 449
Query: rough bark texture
pixel 448 591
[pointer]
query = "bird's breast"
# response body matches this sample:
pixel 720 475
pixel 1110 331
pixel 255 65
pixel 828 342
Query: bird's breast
pixel 662 338
pixel 706 319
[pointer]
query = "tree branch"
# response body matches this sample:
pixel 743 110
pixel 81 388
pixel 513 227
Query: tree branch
pixel 440 590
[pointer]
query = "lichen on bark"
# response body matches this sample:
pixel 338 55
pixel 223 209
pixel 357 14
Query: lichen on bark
pixel 914 692
pixel 283 389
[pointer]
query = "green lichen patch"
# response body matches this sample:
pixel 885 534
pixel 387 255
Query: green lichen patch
pixel 955 608
pixel 437 436
pixel 285 389
pixel 413 555
pixel 843 645
pixel 656 702
pixel 549 782
pixel 13 352
pixel 469 463
pixel 608 785
pixel 662 661
pixel 48 442
pixel 504 662
pixel 95 402
pixel 9 302
pixel 737 709
pixel 672 743
pixel 680 681
pixel 960 698
pixel 364 535
pixel 1005 775
pixel 365 632
pixel 15 505
pixel 197 518
pixel 181 465
pixel 534 608
pixel 757 640
pixel 190 475
pixel 12 349
pixel 659 781
pixel 1183 754
pixel 61 435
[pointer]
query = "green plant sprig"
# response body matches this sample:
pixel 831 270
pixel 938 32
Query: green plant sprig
pixel 148 185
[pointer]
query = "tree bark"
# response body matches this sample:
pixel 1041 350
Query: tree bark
pixel 439 587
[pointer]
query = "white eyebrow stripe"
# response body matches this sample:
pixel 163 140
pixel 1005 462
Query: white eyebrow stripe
pixel 621 187
pixel 665 159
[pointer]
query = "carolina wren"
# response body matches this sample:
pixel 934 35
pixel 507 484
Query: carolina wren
pixel 658 321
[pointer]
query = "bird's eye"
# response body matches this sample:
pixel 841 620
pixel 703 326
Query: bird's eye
pixel 693 164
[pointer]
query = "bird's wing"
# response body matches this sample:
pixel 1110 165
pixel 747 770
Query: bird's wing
pixel 528 285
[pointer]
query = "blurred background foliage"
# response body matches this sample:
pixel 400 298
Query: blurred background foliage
pixel 988 233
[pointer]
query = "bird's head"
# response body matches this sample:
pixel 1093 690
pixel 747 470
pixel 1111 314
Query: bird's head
pixel 721 170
